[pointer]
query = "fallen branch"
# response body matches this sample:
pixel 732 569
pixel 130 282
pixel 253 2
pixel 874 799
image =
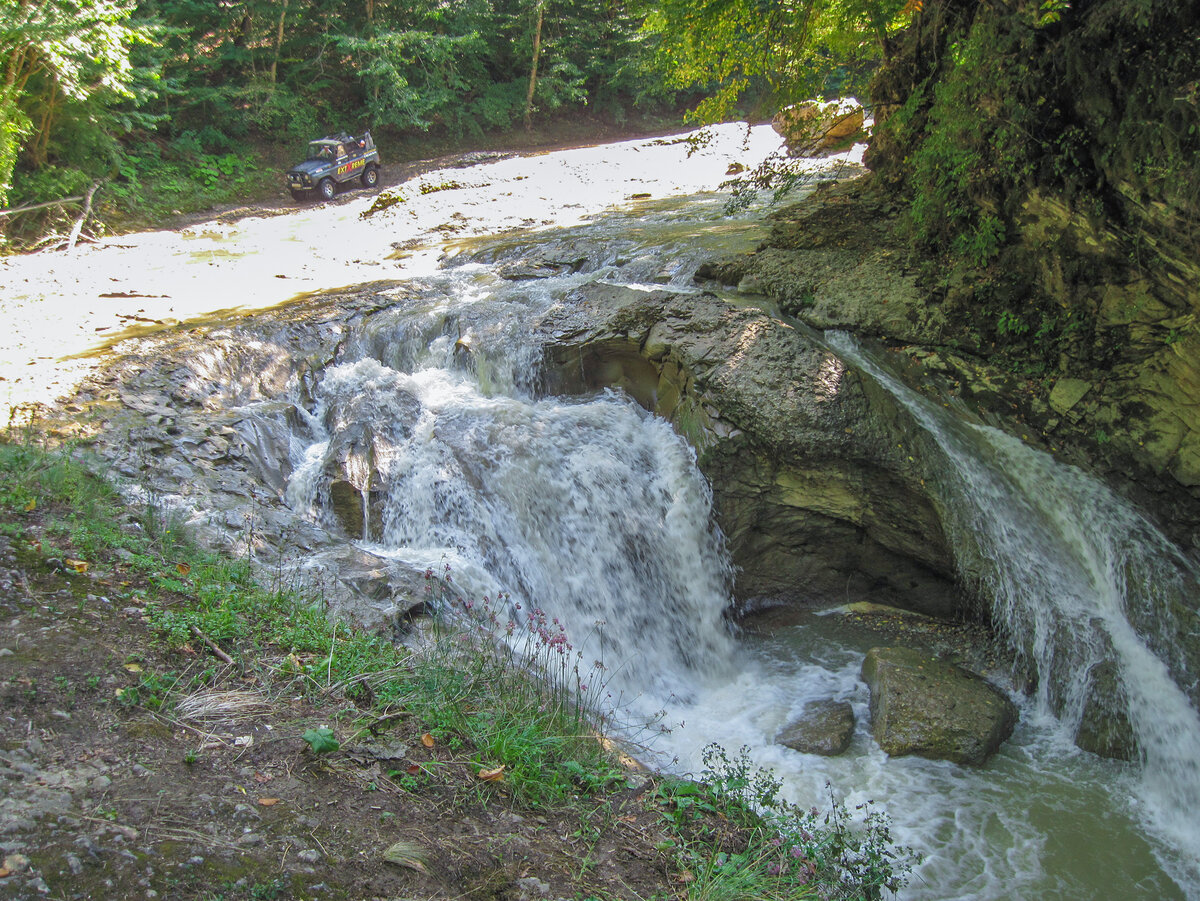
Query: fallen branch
pixel 87 211
pixel 38 206
pixel 212 645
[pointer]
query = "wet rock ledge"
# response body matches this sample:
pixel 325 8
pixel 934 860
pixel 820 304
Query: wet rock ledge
pixel 816 481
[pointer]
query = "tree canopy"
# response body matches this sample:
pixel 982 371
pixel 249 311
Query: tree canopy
pixel 66 65
pixel 773 52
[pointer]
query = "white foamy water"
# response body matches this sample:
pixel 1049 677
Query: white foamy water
pixel 594 510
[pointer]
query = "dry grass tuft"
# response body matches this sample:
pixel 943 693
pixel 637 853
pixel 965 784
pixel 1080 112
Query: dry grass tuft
pixel 233 706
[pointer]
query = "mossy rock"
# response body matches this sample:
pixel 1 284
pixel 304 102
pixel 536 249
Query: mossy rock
pixel 923 706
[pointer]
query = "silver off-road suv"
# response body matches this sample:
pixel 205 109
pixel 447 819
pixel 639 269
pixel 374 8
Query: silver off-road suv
pixel 334 160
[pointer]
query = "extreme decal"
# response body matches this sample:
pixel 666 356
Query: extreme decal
pixel 350 167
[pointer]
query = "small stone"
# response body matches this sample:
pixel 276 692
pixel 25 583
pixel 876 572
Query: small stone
pixel 6 652
pixel 141 771
pixel 195 860
pixel 101 783
pixel 16 863
pixel 532 887
pixel 75 864
pixel 309 855
pixel 250 840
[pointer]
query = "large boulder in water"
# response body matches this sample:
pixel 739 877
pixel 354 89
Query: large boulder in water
pixel 924 706
pixel 823 727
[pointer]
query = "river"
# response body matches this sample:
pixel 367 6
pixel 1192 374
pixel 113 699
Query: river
pixel 595 511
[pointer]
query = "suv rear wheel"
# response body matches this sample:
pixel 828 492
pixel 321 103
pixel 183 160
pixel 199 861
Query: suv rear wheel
pixel 327 188
pixel 370 176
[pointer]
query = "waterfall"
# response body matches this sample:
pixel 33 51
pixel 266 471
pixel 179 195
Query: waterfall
pixel 1075 576
pixel 594 510
pixel 590 509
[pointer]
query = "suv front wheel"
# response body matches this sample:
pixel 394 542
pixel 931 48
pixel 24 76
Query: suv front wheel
pixel 327 188
pixel 370 176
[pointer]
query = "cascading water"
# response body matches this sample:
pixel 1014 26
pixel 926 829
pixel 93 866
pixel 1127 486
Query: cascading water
pixel 594 510
pixel 1068 564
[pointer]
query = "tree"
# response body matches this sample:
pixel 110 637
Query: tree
pixel 537 51
pixel 778 50
pixel 54 53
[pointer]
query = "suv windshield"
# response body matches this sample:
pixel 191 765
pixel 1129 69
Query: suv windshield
pixel 318 150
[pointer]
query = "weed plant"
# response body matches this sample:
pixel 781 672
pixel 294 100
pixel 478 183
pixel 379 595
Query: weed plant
pixel 542 716
pixel 789 852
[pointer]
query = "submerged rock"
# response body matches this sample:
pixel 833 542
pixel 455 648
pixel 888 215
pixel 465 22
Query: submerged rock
pixel 921 705
pixel 823 727
pixel 1104 729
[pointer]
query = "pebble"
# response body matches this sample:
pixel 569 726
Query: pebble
pixel 139 770
pixel 532 887
pixel 250 839
pixel 75 864
pixel 309 855
pixel 16 862
pixel 6 652
pixel 101 783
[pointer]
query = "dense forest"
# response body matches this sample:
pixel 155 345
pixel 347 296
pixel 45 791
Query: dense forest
pixel 177 104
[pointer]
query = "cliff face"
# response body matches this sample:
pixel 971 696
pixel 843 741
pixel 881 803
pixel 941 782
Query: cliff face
pixel 1050 168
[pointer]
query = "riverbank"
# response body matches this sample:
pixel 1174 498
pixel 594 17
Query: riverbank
pixel 174 729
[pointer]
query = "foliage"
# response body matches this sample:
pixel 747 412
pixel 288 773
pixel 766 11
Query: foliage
pixel 155 98
pixel 1093 106
pixel 65 61
pixel 321 740
pixel 795 853
pixel 773 51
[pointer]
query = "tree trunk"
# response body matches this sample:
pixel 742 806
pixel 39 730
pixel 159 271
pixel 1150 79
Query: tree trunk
pixel 537 51
pixel 278 41
pixel 39 149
